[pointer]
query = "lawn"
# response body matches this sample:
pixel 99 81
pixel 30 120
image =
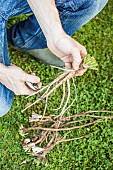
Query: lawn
pixel 94 92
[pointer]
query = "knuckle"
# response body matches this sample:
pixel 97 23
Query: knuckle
pixel 23 92
pixel 38 79
pixel 78 60
pixel 76 50
pixel 24 76
pixel 17 94
pixel 83 50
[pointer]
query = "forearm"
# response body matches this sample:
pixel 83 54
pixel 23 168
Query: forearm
pixel 48 17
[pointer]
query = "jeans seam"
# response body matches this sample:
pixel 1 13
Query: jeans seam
pixel 15 11
pixel 2 42
pixel 4 16
pixel 73 6
pixel 18 4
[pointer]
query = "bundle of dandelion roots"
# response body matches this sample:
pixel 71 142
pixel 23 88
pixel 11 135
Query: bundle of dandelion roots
pixel 54 129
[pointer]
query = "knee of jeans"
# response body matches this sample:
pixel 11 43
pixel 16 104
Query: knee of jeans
pixel 97 5
pixel 6 99
pixel 4 108
pixel 94 6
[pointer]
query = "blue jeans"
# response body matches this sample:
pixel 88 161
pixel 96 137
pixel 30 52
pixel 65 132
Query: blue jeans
pixel 27 34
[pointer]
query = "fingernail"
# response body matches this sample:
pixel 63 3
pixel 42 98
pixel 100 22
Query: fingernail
pixel 33 74
pixel 38 79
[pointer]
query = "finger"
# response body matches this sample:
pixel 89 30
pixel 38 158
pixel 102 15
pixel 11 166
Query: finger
pixel 81 72
pixel 83 51
pixel 39 85
pixel 68 65
pixel 30 92
pixel 83 54
pixel 67 58
pixel 33 74
pixel 76 58
pixel 24 91
pixel 81 48
pixel 56 52
pixel 32 78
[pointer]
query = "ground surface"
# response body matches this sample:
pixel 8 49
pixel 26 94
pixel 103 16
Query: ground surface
pixel 94 91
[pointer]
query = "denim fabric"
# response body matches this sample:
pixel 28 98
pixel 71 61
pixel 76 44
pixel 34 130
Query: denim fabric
pixel 6 96
pixel 27 35
pixel 74 14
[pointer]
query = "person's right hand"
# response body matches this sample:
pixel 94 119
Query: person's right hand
pixel 14 78
pixel 68 50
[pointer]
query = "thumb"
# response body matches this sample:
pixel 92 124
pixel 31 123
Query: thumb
pixel 76 58
pixel 33 74
pixel 32 78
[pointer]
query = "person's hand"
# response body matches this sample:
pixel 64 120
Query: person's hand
pixel 68 50
pixel 14 78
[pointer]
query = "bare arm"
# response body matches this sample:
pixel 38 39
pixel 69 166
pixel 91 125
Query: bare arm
pixel 47 16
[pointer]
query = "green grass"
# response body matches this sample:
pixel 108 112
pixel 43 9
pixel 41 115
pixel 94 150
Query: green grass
pixel 94 90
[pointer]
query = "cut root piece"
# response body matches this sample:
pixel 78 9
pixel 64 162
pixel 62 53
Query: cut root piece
pixel 63 97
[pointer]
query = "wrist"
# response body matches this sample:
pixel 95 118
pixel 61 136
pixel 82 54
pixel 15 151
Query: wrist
pixel 54 32
pixel 54 37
